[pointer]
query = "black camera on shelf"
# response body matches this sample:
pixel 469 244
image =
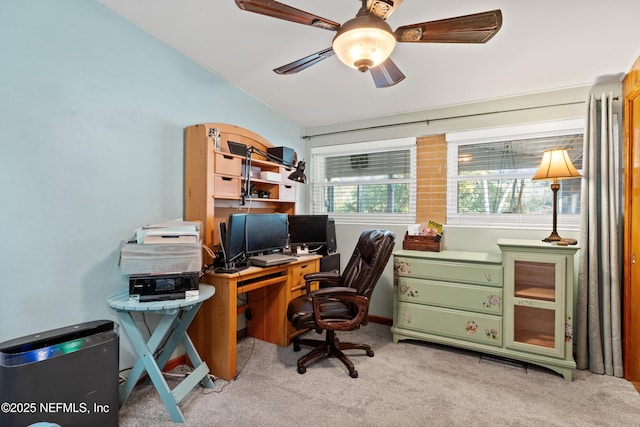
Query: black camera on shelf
pixel 260 194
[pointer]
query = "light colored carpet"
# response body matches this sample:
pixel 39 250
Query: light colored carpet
pixel 408 384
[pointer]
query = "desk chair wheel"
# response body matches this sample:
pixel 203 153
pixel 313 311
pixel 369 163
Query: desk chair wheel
pixel 370 353
pixel 302 369
pixel 296 347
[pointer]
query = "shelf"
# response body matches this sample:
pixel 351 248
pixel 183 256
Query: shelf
pixel 535 293
pixel 264 181
pixel 261 200
pixel 534 338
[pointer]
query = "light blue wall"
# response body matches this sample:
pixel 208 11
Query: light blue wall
pixel 92 115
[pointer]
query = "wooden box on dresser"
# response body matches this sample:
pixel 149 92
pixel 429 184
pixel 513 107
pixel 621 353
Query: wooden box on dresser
pixel 475 300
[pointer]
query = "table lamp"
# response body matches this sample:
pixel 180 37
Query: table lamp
pixel 555 165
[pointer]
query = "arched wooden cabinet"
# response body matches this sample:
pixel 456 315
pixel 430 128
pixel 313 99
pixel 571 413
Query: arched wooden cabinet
pixel 214 179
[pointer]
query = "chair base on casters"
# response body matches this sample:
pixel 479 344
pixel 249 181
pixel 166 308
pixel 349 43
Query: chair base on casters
pixel 330 347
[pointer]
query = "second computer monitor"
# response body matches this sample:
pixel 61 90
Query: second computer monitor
pixel 308 230
pixel 265 233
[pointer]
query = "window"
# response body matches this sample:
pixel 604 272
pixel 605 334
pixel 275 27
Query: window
pixel 489 176
pixel 371 182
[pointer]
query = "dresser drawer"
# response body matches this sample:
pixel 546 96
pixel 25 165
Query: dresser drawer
pixel 481 274
pixel 482 299
pixel 463 325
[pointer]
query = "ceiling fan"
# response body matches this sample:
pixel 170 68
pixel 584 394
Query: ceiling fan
pixel 366 41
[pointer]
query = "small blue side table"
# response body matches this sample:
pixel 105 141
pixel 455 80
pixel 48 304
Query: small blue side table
pixel 176 318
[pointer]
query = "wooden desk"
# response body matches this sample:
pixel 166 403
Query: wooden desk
pixel 269 290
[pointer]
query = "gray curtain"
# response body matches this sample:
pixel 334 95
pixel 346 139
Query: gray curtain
pixel 599 308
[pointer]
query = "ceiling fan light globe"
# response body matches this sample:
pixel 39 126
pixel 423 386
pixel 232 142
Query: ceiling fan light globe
pixel 364 42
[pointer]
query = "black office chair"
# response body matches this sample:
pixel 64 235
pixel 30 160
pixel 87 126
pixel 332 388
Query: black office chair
pixel 345 305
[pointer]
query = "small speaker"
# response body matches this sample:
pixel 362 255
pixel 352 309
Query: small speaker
pixel 332 245
pixel 329 262
pixel 286 154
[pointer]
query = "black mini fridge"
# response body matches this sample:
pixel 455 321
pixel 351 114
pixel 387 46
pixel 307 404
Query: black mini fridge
pixel 66 376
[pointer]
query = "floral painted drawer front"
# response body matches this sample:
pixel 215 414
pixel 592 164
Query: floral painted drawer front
pixel 482 299
pixel 476 327
pixel 480 274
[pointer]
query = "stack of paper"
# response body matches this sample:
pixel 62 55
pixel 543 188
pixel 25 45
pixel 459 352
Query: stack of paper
pixel 163 248
pixel 160 259
pixel 171 232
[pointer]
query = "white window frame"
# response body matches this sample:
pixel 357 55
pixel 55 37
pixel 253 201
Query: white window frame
pixel 569 222
pixel 318 180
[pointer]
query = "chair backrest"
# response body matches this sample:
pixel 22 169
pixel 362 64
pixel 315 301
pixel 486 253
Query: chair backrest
pixel 368 261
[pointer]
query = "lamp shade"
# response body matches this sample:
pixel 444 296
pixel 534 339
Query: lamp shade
pixel 364 42
pixel 555 165
pixel 298 174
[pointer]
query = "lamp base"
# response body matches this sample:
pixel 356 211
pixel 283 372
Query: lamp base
pixel 553 237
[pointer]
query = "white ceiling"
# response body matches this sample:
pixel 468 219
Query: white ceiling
pixel 543 45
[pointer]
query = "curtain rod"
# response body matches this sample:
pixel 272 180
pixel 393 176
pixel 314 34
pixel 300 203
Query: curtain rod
pixel 463 116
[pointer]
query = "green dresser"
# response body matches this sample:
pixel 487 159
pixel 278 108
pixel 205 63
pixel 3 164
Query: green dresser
pixel 449 297
pixel 514 303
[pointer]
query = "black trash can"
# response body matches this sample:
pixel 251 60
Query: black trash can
pixel 67 376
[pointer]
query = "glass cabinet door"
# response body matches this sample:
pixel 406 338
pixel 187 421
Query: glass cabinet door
pixel 534 288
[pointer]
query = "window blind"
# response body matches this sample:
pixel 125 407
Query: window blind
pixel 489 177
pixel 366 182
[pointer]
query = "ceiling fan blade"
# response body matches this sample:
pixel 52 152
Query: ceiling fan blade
pixel 305 62
pixel 382 8
pixel 282 11
pixel 475 28
pixel 386 74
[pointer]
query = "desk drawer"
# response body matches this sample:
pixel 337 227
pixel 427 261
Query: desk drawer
pixel 287 192
pixel 477 273
pixel 297 272
pixel 228 165
pixel 464 325
pixel 481 299
pixel 226 187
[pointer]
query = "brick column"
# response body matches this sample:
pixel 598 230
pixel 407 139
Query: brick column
pixel 431 179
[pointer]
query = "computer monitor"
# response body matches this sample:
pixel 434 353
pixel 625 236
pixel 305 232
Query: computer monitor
pixel 308 230
pixel 233 238
pixel 265 233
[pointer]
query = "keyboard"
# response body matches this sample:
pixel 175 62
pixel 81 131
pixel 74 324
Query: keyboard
pixel 270 260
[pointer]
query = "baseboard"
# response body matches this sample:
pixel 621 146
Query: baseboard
pixel 171 365
pixel 175 362
pixel 381 320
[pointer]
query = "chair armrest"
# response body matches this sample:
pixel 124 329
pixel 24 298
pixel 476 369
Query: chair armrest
pixel 328 276
pixel 332 277
pixel 335 291
pixel 339 294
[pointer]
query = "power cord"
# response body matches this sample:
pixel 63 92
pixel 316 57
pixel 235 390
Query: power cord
pixel 208 391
